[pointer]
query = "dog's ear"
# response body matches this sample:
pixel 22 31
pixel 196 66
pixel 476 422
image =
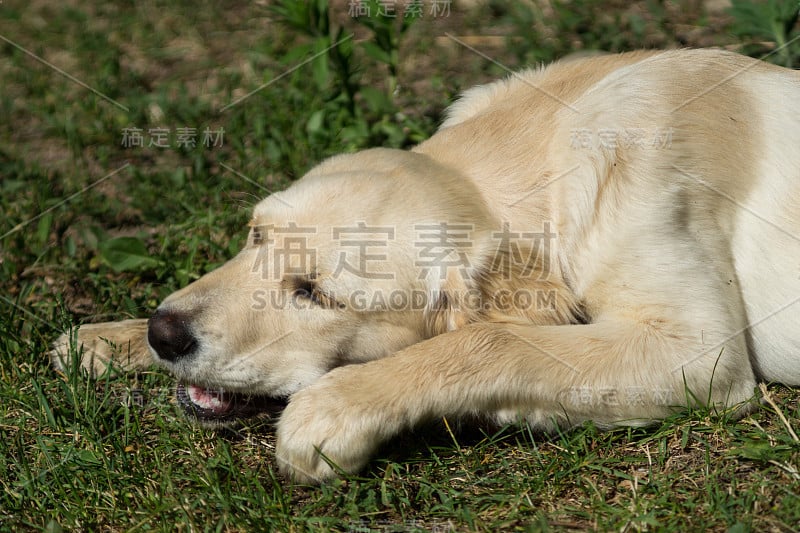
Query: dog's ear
pixel 528 285
pixel 506 281
pixel 452 302
pixel 519 287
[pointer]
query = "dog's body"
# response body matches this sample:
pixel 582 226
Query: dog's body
pixel 604 239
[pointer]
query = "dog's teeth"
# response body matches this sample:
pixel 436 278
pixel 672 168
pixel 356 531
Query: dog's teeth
pixel 211 399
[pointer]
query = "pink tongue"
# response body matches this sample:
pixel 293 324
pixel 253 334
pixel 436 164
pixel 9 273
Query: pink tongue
pixel 205 398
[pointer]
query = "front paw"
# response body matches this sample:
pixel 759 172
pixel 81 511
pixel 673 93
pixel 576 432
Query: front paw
pixel 122 345
pixel 327 430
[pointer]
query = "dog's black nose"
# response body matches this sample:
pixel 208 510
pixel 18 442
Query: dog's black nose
pixel 169 335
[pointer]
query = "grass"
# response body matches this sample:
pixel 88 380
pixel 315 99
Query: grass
pixel 94 230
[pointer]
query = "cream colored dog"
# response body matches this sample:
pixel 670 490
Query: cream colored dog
pixel 603 239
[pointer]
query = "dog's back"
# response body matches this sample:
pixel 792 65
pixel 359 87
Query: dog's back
pixel 701 144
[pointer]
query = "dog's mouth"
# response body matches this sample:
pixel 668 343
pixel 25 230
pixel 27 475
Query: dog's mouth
pixel 217 407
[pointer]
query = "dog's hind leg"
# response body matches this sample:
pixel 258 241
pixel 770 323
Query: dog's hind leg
pixel 121 345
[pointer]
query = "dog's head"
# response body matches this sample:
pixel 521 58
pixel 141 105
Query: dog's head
pixel 367 254
pixel 362 257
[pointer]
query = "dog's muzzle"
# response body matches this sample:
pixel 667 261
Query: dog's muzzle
pixel 170 336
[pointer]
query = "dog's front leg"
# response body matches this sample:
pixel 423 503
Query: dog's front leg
pixel 612 373
pixel 122 345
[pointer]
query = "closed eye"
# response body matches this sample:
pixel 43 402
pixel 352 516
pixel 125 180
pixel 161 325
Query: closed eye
pixel 308 289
